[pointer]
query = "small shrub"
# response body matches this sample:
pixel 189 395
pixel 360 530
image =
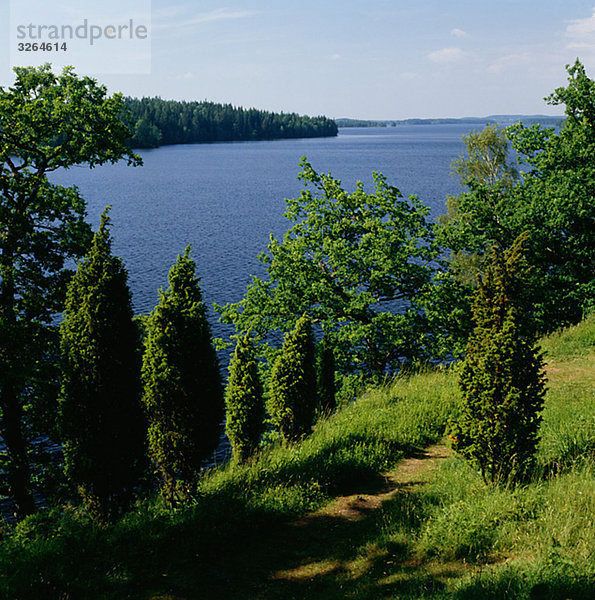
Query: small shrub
pixel 293 398
pixel 244 401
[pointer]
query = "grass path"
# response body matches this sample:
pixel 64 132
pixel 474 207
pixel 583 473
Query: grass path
pixel 409 474
pixel 329 553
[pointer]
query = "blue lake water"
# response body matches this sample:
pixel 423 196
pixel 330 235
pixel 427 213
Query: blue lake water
pixel 227 198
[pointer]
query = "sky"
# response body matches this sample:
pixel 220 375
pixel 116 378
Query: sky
pixel 368 59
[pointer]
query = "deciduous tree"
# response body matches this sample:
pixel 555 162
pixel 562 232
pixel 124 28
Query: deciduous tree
pixel 558 202
pixel 553 198
pixel 481 215
pixel 353 262
pixel 47 122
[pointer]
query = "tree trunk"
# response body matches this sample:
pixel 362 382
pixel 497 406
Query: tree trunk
pixel 18 474
pixel 11 424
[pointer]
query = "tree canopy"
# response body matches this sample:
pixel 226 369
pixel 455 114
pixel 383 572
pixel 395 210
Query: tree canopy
pixel 553 197
pixel 47 122
pixel 557 203
pixel 347 260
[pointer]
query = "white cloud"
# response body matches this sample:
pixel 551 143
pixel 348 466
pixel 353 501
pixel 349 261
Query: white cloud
pixel 335 57
pixel 504 63
pixel 187 75
pixel 581 32
pixel 459 33
pixel 446 55
pixel 219 14
pixel 410 76
pixel 547 59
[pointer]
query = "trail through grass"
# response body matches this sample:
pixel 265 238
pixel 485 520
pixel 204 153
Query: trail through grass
pixel 357 510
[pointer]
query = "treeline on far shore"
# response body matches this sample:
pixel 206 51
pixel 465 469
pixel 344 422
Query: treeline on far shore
pixel 501 120
pixel 159 122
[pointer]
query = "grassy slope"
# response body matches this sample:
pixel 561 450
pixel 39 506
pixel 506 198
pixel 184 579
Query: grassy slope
pixel 470 540
pixel 152 550
pixel 452 537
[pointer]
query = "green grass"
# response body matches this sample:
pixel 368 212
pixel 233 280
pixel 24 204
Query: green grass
pixel 531 541
pixel 568 431
pixel 62 554
pixel 571 342
pixel 345 451
pixel 451 537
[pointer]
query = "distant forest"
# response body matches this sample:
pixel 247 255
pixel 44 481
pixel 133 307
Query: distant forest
pixel 502 120
pixel 160 122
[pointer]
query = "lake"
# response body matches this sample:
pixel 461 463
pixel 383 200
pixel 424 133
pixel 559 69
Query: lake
pixel 227 198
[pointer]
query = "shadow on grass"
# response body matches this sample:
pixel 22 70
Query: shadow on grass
pixel 320 556
pixel 61 555
pixel 225 549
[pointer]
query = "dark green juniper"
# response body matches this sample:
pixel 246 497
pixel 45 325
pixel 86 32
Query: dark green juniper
pixel 325 376
pixel 293 399
pixel 103 427
pixel 244 402
pixel 502 375
pixel 183 395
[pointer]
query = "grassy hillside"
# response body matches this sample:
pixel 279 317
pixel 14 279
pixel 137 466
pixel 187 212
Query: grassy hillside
pixel 456 537
pixel 60 553
pixel 438 532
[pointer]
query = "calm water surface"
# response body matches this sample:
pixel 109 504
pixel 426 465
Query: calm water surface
pixel 226 199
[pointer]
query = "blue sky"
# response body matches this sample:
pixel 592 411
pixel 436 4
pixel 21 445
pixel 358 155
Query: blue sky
pixel 375 59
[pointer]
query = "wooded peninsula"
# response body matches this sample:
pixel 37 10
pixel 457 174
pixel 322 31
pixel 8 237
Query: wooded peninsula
pixel 159 122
